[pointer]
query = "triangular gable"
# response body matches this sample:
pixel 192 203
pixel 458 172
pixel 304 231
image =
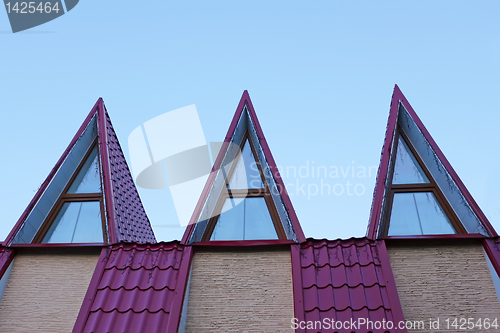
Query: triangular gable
pixel 124 216
pixel 455 196
pixel 244 125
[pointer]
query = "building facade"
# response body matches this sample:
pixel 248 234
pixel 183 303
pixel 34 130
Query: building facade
pixel 83 256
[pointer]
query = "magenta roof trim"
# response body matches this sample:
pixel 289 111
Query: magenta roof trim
pixel 298 295
pixel 245 100
pixel 180 290
pixel 275 172
pixel 6 257
pixel 136 288
pixel 344 279
pixel 128 221
pixel 378 195
pixel 246 243
pixel 44 185
pixel 126 217
pixel 492 249
pixel 103 149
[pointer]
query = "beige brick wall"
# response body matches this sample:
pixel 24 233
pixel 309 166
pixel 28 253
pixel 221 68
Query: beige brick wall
pixel 44 292
pixel 444 281
pixel 240 292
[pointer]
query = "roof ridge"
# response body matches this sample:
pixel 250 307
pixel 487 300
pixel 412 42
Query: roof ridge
pixel 129 310
pixel 141 267
pixel 137 287
pixel 349 307
pixel 346 284
pixel 335 266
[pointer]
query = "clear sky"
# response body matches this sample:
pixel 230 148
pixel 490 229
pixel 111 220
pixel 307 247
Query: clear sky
pixel 320 74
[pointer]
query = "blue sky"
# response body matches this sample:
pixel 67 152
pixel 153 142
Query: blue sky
pixel 320 75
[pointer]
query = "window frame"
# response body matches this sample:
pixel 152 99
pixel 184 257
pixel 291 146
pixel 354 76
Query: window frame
pixel 227 193
pixel 74 197
pixel 431 186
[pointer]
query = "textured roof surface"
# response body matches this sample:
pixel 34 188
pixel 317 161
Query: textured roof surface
pixel 131 220
pixel 344 279
pixel 135 289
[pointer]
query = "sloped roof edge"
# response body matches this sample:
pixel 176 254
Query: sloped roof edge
pixel 379 191
pixel 245 101
pixel 116 175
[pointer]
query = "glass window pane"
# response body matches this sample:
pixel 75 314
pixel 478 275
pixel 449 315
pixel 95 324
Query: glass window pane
pixel 246 219
pixel 229 226
pixel 88 179
pixel 418 213
pixel 246 173
pixel 76 222
pixel 258 222
pixel 407 170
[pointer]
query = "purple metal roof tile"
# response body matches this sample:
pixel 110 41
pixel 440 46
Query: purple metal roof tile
pixel 136 288
pixel 344 280
pixel 131 222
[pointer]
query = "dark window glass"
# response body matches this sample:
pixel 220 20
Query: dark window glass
pixel 76 222
pixel 88 179
pixel 246 173
pixel 418 213
pixel 244 219
pixel 406 169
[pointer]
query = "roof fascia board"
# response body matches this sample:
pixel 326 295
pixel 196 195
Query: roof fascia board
pixel 493 251
pixel 106 174
pixel 470 200
pixel 297 229
pixel 211 178
pixel 6 259
pixel 445 236
pixel 51 175
pixel 392 290
pixel 378 194
pixel 298 294
pixel 180 290
pixel 245 243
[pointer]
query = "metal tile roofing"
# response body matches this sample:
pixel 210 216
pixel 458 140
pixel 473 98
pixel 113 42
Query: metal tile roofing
pixel 344 279
pixel 136 288
pixel 130 217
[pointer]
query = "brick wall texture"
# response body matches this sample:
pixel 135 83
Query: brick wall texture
pixel 444 281
pixel 44 292
pixel 244 291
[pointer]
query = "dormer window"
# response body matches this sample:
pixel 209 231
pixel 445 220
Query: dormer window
pixel 245 208
pixel 417 206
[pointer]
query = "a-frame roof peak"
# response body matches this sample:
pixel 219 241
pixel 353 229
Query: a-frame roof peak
pixel 124 216
pixel 403 119
pixel 244 124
